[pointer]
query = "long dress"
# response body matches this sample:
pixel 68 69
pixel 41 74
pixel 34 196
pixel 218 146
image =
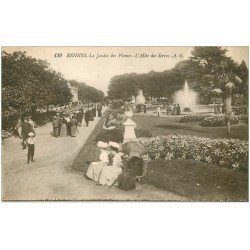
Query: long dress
pixel 110 173
pixel 63 130
pixel 95 168
pixel 73 127
pixel 99 112
pixel 91 115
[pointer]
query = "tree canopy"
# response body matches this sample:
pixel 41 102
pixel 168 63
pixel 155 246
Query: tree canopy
pixel 203 70
pixel 29 83
pixel 88 93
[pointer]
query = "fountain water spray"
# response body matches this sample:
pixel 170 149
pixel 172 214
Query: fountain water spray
pixel 140 99
pixel 186 98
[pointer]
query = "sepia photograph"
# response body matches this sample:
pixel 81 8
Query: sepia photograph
pixel 125 123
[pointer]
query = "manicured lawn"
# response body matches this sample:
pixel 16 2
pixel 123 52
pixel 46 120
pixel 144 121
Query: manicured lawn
pixel 171 125
pixel 198 181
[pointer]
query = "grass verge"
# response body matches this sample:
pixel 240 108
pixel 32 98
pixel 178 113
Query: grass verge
pixel 197 180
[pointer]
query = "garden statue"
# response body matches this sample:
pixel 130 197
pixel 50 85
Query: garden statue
pixel 129 125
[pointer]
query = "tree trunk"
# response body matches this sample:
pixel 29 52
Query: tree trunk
pixel 228 106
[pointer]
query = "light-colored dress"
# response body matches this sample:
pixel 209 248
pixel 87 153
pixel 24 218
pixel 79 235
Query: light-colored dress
pixel 95 168
pixel 63 131
pixel 110 173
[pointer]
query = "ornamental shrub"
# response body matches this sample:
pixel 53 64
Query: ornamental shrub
pixel 229 153
pixel 219 120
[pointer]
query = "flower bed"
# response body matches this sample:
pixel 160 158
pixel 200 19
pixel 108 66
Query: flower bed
pixel 230 153
pixel 209 120
pixel 243 117
pixel 193 118
pixel 218 120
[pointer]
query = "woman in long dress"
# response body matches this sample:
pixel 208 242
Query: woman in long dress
pixel 95 168
pixel 63 129
pixel 73 126
pixel 109 173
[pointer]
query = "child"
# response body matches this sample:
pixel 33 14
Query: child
pixel 126 180
pixel 31 146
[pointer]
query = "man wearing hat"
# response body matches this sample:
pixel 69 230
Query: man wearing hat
pixel 31 146
pixel 56 125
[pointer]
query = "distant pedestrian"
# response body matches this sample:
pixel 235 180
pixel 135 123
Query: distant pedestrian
pixel 178 109
pixel 79 117
pixel 145 109
pixel 67 118
pixel 18 127
pixel 169 109
pixel 31 147
pixel 73 126
pixel 32 123
pixel 63 129
pixel 87 117
pixel 91 118
pixel 94 111
pixel 158 110
pixel 99 111
pixel 175 109
pixel 26 128
pixel 56 123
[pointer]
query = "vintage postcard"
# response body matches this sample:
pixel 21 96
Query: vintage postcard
pixel 125 123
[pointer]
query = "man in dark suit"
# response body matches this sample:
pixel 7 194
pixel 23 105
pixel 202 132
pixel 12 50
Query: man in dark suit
pixel 56 126
pixel 87 117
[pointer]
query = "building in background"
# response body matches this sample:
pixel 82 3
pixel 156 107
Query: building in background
pixel 74 90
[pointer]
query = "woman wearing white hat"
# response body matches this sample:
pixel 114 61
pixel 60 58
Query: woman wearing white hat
pixel 95 168
pixel 109 173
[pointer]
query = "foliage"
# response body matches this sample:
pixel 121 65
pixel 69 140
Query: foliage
pixel 205 70
pixel 116 104
pixel 6 134
pixel 211 120
pixel 29 83
pixel 218 120
pixel 230 153
pixel 116 135
pixel 87 93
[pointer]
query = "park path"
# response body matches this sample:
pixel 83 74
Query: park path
pixel 51 178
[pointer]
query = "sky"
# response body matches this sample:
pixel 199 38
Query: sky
pixel 97 65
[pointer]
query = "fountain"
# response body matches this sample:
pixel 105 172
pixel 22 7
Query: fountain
pixel 186 98
pixel 140 99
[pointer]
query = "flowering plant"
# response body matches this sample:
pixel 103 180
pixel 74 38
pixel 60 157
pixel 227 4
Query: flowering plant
pixel 210 120
pixel 230 153
pixel 218 120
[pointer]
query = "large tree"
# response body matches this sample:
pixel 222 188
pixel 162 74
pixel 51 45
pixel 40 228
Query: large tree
pixel 88 93
pixel 29 83
pixel 203 70
pixel 223 74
